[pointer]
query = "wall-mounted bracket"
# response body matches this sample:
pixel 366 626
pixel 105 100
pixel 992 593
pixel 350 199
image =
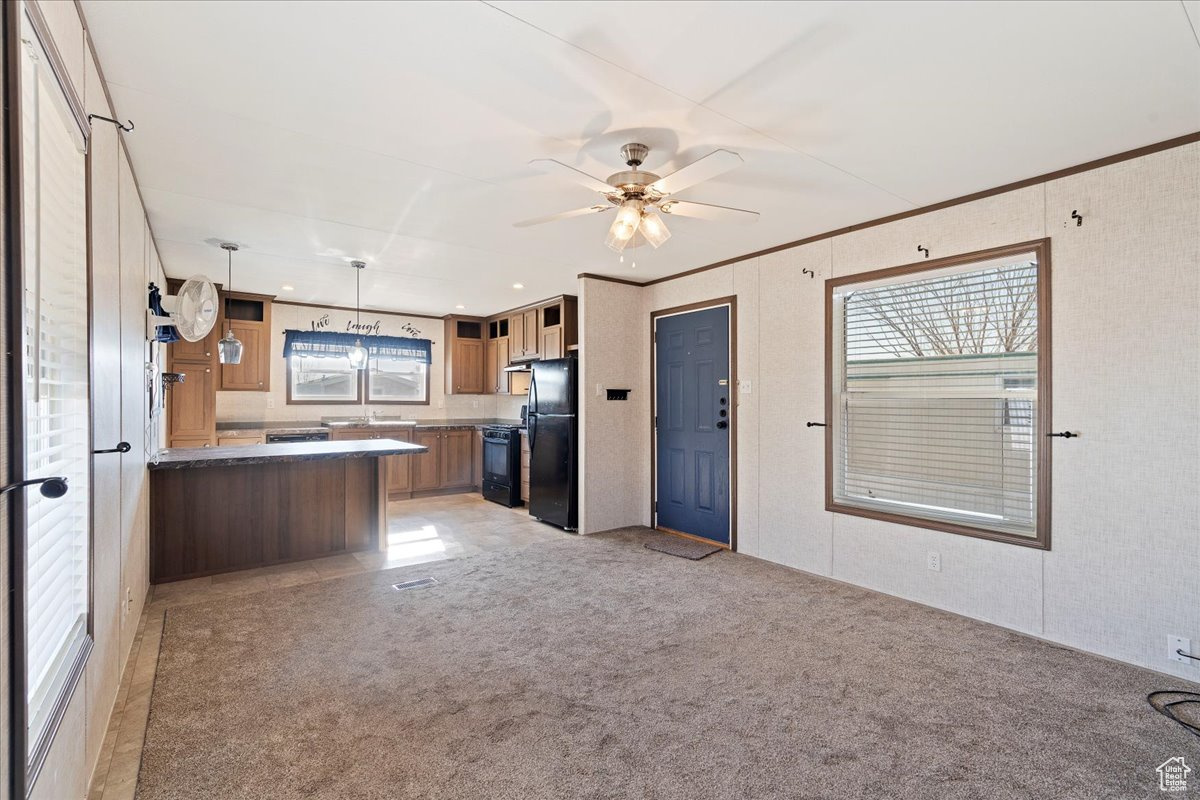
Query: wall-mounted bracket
pixel 1078 219
pixel 127 127
pixel 923 249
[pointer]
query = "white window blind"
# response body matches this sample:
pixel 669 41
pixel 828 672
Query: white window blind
pixel 935 391
pixel 56 403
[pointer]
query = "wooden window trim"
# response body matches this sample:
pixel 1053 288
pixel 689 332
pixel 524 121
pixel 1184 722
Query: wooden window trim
pixel 425 402
pixel 362 394
pixel 291 401
pixel 1041 539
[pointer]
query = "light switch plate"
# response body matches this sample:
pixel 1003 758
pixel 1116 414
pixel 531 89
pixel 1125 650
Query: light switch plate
pixel 746 386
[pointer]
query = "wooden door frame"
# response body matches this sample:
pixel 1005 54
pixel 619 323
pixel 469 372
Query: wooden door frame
pixel 731 343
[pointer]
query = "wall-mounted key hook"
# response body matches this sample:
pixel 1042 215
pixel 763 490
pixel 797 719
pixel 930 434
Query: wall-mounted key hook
pixel 923 249
pixel 1078 219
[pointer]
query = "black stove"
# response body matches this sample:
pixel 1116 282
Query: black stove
pixel 502 464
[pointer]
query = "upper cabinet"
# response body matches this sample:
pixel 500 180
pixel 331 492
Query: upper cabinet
pixel 478 350
pixel 464 355
pixel 249 316
pixel 557 327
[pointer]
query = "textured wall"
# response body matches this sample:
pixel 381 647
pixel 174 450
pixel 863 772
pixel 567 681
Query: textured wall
pixel 1126 373
pixel 253 406
pixel 613 347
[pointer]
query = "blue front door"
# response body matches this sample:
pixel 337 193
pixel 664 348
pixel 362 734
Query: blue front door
pixel 693 417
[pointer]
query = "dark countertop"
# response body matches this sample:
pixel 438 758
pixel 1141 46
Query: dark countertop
pixel 193 457
pixel 305 426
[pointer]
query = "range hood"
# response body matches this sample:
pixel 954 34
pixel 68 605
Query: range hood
pixel 526 367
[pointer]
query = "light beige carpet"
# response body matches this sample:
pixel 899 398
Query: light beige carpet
pixel 595 668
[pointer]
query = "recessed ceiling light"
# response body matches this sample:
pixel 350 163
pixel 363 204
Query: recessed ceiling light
pixel 518 286
pixel 287 288
pixel 460 306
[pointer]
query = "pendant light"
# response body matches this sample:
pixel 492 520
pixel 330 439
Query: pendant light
pixel 358 353
pixel 229 349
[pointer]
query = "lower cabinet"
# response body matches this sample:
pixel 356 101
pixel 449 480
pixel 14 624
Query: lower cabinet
pixel 457 448
pixel 237 441
pixel 399 468
pixel 425 470
pixel 453 461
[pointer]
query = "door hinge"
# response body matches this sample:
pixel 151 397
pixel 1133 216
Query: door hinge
pixel 654 506
pixel 656 422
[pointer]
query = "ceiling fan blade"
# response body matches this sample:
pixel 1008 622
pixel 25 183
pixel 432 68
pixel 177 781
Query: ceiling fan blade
pixel 712 165
pixel 579 212
pixel 683 208
pixel 552 167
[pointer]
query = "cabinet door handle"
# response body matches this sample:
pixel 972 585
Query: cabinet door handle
pixel 206 355
pixel 207 369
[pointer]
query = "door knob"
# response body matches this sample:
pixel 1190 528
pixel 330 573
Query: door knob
pixel 122 447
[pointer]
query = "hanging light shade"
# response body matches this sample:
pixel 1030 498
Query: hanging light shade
pixel 229 349
pixel 629 215
pixel 654 229
pixel 358 354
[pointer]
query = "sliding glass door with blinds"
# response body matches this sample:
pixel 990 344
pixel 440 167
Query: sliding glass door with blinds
pixel 55 404
pixel 938 390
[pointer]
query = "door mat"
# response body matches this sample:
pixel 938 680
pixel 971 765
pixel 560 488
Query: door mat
pixel 678 546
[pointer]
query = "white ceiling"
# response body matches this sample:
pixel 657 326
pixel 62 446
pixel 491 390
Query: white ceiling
pixel 312 133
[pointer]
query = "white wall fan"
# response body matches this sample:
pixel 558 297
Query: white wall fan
pixel 192 312
pixel 638 195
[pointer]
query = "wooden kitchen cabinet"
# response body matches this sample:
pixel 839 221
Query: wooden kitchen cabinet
pixel 523 342
pixel 204 350
pixel 457 449
pixel 426 471
pixel 533 344
pixel 497 360
pixel 399 468
pixel 192 406
pixel 558 328
pixel 234 440
pixel 249 316
pixel 464 355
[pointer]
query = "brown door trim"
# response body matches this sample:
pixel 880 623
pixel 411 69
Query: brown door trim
pixel 730 301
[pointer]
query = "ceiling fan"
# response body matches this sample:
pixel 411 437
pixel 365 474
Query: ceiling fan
pixel 638 195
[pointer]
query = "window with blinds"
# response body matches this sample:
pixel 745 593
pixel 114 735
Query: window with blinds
pixel 55 394
pixel 935 381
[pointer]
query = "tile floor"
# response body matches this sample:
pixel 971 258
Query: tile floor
pixel 419 531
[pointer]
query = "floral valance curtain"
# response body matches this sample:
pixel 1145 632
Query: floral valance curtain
pixel 329 344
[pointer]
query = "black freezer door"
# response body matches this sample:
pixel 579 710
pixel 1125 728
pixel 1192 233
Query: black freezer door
pixel 553 485
pixel 552 388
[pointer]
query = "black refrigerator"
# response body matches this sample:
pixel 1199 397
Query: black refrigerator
pixel 554 442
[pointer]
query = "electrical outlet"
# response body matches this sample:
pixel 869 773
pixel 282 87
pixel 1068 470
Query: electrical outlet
pixel 1175 643
pixel 746 386
pixel 270 402
pixel 599 390
pixel 934 561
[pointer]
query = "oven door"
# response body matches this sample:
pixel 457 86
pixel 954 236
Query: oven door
pixel 496 462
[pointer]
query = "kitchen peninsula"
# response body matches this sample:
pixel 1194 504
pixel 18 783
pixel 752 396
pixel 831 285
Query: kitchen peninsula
pixel 220 509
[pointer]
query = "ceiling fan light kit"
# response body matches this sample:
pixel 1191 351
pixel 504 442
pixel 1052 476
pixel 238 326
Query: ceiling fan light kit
pixel 639 195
